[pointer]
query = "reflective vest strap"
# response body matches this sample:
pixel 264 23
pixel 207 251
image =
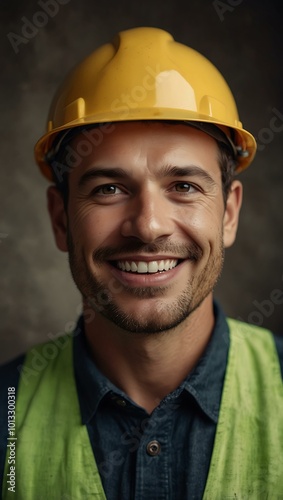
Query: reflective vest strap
pixel 54 458
pixel 247 459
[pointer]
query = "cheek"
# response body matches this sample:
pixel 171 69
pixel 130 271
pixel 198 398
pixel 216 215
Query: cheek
pixel 203 223
pixel 93 226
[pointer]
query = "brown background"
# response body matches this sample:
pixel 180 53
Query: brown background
pixel 38 297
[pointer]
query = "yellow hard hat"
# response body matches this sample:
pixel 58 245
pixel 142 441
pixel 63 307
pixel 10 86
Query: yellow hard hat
pixel 143 74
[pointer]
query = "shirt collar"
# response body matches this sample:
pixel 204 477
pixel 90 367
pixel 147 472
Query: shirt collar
pixel 92 385
pixel 204 383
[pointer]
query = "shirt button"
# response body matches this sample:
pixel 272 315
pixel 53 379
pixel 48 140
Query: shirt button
pixel 153 448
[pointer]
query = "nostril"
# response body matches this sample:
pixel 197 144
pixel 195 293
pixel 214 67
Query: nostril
pixel 146 229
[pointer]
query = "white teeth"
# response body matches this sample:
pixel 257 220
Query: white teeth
pixel 142 267
pixel 161 265
pixel 134 267
pixel 153 267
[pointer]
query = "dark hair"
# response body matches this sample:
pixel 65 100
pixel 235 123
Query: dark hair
pixel 61 181
pixel 61 169
pixel 228 164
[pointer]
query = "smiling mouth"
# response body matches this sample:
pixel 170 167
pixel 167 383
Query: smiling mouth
pixel 142 267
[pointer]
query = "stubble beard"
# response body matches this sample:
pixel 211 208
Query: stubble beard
pixel 102 297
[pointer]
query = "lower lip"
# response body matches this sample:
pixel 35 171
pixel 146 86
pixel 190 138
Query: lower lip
pixel 143 280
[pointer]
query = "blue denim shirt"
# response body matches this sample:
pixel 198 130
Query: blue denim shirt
pixel 165 455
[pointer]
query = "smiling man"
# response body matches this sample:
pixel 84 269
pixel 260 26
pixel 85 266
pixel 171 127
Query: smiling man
pixel 156 395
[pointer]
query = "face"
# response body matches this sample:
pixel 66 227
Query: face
pixel 146 224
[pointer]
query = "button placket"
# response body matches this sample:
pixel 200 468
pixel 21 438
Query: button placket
pixel 152 459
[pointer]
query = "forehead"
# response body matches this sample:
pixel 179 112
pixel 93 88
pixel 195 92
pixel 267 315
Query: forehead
pixel 151 144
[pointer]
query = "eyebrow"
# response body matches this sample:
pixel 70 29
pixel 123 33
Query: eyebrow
pixel 189 171
pixel 111 173
pixel 166 171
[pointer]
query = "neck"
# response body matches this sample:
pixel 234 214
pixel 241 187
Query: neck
pixel 148 367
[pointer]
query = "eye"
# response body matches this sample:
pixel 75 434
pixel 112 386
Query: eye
pixel 107 189
pixel 185 187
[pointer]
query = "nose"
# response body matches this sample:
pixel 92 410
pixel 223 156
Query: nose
pixel 148 218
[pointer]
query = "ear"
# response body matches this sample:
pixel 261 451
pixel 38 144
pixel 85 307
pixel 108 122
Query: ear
pixel 231 215
pixel 58 217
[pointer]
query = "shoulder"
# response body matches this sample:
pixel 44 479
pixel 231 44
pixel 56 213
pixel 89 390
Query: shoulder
pixel 36 359
pixel 253 334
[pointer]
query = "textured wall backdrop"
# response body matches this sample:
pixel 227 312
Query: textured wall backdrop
pixel 243 39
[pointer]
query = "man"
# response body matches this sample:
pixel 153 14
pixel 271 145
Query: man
pixel 156 394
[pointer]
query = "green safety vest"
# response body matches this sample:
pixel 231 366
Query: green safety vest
pixel 54 458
